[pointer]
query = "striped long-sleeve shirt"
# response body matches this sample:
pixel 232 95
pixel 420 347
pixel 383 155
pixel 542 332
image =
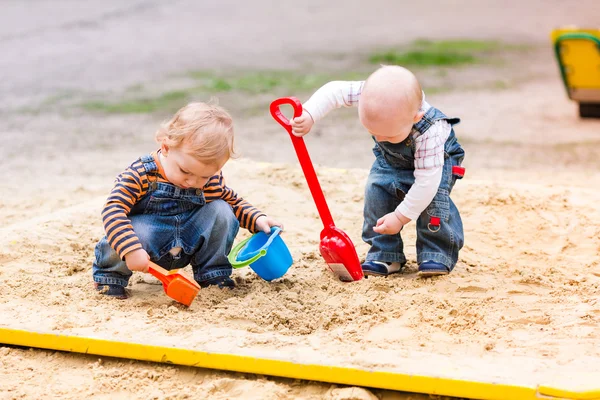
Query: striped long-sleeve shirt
pixel 132 185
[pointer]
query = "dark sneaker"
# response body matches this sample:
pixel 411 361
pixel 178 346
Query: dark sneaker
pixel 111 290
pixel 221 282
pixel 432 268
pixel 381 268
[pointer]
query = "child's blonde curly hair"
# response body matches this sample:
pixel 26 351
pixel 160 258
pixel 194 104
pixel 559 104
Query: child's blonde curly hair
pixel 202 130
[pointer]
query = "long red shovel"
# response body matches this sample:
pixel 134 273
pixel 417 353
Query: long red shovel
pixel 177 286
pixel 336 247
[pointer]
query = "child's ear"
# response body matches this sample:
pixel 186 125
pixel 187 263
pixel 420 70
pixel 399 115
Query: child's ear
pixel 418 116
pixel 164 149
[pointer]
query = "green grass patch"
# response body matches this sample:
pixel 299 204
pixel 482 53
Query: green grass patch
pixel 169 100
pixel 258 82
pixel 438 89
pixel 459 45
pixel 137 88
pixel 253 83
pixel 500 85
pixel 422 58
pixel 424 53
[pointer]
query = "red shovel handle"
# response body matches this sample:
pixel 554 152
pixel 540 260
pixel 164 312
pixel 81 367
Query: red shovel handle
pixel 303 157
pixel 278 115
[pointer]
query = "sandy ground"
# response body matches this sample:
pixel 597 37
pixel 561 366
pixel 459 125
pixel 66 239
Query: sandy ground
pixel 521 306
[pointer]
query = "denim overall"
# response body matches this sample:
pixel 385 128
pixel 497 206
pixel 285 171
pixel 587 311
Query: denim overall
pixel 439 227
pixel 167 217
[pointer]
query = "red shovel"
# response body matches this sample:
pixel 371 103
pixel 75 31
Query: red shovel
pixel 177 286
pixel 336 247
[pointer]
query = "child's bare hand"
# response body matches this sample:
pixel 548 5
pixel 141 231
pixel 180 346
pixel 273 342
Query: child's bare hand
pixel 137 260
pixel 264 223
pixel 302 124
pixel 390 224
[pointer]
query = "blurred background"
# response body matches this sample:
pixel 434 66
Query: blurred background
pixel 85 84
pixel 90 77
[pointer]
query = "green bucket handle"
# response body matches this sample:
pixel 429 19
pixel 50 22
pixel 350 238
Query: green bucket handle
pixel 232 257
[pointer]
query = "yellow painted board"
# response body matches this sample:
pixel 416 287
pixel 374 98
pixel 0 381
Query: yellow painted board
pixel 286 369
pixel 558 393
pixel 578 54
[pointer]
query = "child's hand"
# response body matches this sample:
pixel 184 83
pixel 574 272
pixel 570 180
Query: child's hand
pixel 137 260
pixel 390 224
pixel 302 124
pixel 264 223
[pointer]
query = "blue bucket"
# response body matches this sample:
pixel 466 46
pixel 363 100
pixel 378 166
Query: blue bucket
pixel 267 255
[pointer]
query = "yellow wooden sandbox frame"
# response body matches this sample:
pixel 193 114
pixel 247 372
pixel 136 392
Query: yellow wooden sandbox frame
pixel 288 369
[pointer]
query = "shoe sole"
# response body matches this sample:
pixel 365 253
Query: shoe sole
pixel 427 274
pixel 100 289
pixel 231 286
pixel 112 296
pixel 372 273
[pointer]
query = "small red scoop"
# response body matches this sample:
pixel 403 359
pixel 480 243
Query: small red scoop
pixel 336 247
pixel 177 286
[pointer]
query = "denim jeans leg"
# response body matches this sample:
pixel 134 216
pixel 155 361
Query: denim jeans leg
pixel 380 199
pixel 217 227
pixel 155 233
pixel 158 234
pixel 440 243
pixel 108 268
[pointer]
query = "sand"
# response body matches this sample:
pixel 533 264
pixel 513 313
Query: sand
pixel 522 305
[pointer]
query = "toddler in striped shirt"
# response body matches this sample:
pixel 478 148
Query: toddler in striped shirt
pixel 173 207
pixel 417 163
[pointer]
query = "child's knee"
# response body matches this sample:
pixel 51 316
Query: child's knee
pixel 224 220
pixel 105 255
pixel 150 232
pixel 108 268
pixel 222 211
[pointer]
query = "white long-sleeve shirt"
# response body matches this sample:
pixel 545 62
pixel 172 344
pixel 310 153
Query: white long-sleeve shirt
pixel 429 147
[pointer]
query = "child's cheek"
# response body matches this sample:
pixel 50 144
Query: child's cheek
pixel 180 179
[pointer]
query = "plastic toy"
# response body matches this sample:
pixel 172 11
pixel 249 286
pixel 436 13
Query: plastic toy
pixel 336 247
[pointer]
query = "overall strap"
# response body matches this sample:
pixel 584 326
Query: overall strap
pixel 149 164
pixel 432 115
pixel 151 170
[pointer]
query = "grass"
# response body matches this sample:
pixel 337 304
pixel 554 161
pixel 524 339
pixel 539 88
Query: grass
pixel 237 87
pixel 500 85
pixel 459 45
pixel 167 100
pixel 422 58
pixel 496 85
pixel 51 102
pixel 276 83
pixel 438 89
pixel 424 53
pixel 258 82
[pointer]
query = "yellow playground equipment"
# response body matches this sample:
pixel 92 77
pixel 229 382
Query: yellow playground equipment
pixel 578 55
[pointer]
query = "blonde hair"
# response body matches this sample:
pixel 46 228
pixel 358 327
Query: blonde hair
pixel 205 131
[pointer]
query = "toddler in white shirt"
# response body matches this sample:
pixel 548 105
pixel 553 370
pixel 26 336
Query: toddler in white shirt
pixel 417 163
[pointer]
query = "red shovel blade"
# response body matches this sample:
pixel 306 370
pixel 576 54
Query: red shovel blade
pixel 177 286
pixel 339 253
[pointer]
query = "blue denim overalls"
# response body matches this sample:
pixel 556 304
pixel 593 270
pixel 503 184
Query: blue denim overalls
pixel 167 217
pixel 439 227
